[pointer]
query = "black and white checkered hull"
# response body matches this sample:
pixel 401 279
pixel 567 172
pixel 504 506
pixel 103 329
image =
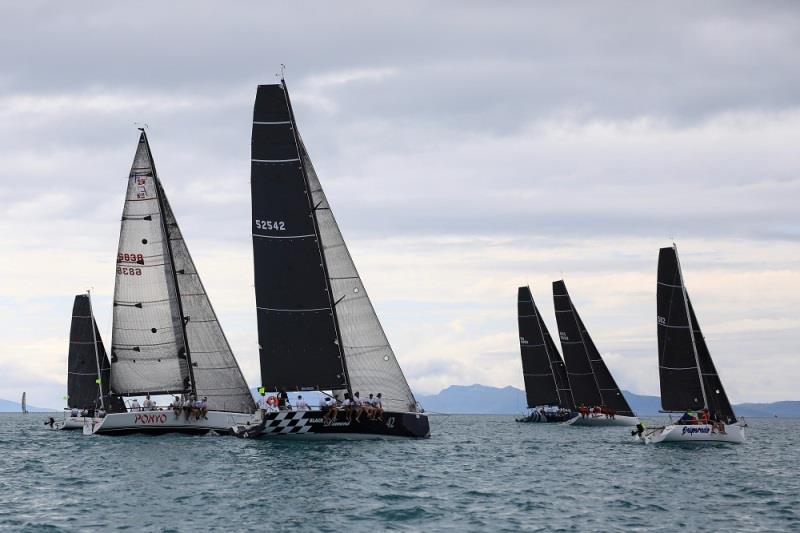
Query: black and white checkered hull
pixel 314 424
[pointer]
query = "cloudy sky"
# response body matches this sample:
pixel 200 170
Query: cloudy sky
pixel 466 148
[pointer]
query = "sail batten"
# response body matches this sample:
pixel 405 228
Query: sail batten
pixel 591 381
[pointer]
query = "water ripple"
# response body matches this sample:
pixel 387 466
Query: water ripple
pixel 475 474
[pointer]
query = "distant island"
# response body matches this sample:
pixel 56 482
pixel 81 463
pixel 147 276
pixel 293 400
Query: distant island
pixel 482 399
pixel 485 400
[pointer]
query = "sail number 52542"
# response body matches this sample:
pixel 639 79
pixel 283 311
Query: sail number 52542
pixel 274 225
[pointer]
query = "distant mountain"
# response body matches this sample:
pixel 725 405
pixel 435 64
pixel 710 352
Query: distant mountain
pixel 7 406
pixel 482 399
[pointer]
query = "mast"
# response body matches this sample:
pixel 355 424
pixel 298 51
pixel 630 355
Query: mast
pixel 96 352
pixel 324 263
pixel 165 230
pixel 691 327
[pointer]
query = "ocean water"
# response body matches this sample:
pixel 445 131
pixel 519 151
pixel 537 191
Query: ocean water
pixel 476 473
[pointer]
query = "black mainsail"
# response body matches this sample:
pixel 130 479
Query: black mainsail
pixel 88 362
pixel 688 377
pixel 542 367
pixel 166 337
pixel 317 328
pixel 591 381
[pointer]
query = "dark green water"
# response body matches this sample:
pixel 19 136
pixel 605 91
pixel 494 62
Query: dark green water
pixel 482 473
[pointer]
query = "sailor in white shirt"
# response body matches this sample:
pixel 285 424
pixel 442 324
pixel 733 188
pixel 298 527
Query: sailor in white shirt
pixel 135 405
pixel 148 403
pixel 301 404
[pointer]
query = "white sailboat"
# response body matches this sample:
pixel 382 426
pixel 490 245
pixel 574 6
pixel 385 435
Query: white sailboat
pixel 690 383
pixel 166 338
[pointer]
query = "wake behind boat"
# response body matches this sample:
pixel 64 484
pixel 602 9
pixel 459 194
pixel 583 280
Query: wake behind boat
pixel 689 381
pixel 317 328
pixel 547 389
pixel 166 338
pixel 598 399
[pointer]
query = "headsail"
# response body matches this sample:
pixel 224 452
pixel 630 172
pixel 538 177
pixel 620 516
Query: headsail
pixel 317 327
pixel 86 354
pixel 592 382
pixel 542 367
pixel 152 340
pixel 683 356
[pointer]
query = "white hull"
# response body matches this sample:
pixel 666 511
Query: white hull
pixel 603 420
pixel 734 434
pixel 163 422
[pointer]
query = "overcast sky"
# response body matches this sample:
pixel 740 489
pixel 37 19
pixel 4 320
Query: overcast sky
pixel 466 148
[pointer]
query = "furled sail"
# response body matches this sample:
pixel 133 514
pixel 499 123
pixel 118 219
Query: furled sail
pixel 591 381
pixel 683 355
pixel 83 362
pixel 317 327
pixel 152 339
pixel 544 385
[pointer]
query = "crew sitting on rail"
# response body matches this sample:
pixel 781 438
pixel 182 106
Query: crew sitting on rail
pixel 347 406
pixel 177 406
pixel 689 418
pixel 369 406
pixel 358 405
pixel 203 407
pixel 301 404
pixel 188 407
pixel 135 405
pixel 329 410
pixel 377 407
pixel 74 412
pixel 583 410
pixel 704 416
pixel 717 424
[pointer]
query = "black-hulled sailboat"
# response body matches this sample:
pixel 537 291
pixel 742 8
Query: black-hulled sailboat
pixel 690 383
pixel 88 370
pixel 317 329
pixel 598 399
pixel 24 403
pixel 547 389
pixel 166 338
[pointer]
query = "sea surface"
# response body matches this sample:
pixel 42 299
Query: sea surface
pixel 475 473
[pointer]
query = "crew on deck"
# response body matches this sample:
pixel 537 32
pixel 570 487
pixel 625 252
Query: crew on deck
pixel 301 404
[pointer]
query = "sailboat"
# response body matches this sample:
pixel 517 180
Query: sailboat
pixel 597 396
pixel 317 329
pixel 24 404
pixel 547 390
pixel 87 370
pixel 166 338
pixel 689 380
